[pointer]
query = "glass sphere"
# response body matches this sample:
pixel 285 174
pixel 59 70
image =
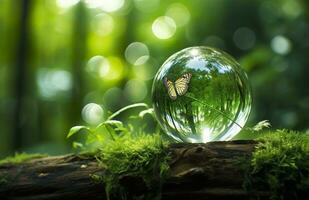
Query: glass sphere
pixel 201 94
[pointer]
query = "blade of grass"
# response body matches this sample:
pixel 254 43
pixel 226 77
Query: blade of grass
pixel 127 108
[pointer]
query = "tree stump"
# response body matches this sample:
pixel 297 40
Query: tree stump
pixel 197 171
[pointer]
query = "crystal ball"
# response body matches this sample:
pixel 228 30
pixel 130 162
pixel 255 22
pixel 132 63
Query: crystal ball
pixel 201 94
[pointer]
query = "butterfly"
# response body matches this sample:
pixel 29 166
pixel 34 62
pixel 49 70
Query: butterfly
pixel 180 86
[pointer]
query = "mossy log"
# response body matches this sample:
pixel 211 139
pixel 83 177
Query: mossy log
pixel 197 171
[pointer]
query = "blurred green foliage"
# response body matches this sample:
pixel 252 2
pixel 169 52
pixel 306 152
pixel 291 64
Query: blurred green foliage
pixel 67 62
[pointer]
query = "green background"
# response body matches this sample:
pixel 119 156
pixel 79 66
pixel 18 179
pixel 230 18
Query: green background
pixel 59 57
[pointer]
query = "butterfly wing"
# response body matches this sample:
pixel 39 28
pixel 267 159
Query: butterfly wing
pixel 182 84
pixel 170 88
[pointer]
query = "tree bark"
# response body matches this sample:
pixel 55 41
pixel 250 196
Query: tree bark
pixel 197 171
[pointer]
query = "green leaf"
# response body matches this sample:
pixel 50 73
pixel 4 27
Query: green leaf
pixel 149 111
pixel 76 129
pixel 110 126
pixel 136 105
pixel 115 123
pixel 77 145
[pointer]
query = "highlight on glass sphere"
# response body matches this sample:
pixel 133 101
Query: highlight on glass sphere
pixel 201 94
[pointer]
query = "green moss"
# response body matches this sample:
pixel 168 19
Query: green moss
pixel 279 164
pixel 20 157
pixel 96 178
pixel 129 154
pixel 141 156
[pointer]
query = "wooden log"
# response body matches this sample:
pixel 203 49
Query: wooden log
pixel 197 171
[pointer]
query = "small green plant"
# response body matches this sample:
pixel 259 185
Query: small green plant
pixel 126 150
pixel 110 129
pixel 279 164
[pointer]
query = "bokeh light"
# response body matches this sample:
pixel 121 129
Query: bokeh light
pixel 137 53
pixel 52 82
pixel 111 5
pixel 214 41
pixel 106 5
pixel 244 38
pixel 107 68
pixel 66 3
pixel 281 45
pixel 179 13
pixel 98 65
pixel 93 3
pixel 92 113
pixel 164 27
pixel 103 24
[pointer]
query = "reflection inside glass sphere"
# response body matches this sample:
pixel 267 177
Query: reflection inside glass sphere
pixel 201 94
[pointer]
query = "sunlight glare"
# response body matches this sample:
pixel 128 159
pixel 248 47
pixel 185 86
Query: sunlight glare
pixel 164 27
